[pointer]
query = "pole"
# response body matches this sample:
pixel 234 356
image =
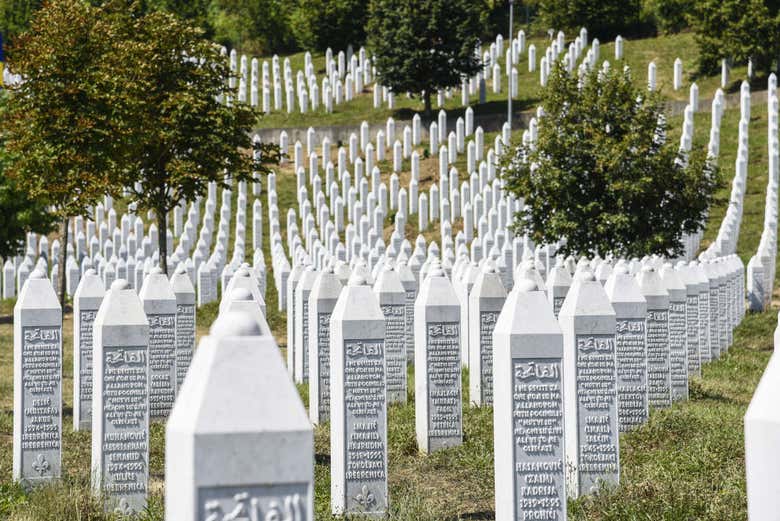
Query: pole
pixel 511 54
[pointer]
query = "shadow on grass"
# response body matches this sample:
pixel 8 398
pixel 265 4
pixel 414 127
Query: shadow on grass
pixel 473 516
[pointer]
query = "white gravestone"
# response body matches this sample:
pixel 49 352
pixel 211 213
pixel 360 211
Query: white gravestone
pixel 487 298
pixel 37 438
pixel 590 397
pixel 678 349
pixel 528 409
pixel 159 303
pixel 438 399
pixel 86 302
pixel 302 325
pixel 659 392
pixel 392 299
pixel 630 347
pixel 410 287
pixel 238 443
pixel 185 322
pixel 358 426
pixel 120 401
pixel 322 299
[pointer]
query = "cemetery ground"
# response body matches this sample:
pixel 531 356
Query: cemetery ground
pixel 687 462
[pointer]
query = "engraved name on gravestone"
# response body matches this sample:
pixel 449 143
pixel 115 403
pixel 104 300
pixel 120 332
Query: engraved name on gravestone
pixel 392 299
pixel 438 401
pixel 528 409
pixel 324 294
pixel 238 443
pixel 691 317
pixel 659 392
pixel 588 323
pixel 485 303
pixel 86 302
pixel 185 321
pixel 410 287
pixel 37 433
pixel 358 403
pixel 631 359
pixel 160 307
pixel 678 350
pixel 120 402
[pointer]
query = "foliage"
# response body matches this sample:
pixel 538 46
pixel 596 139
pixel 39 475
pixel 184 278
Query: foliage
pixel 421 46
pixel 602 175
pixel 669 16
pixel 254 26
pixel 604 19
pixel 319 24
pixel 15 16
pixel 737 30
pixel 184 136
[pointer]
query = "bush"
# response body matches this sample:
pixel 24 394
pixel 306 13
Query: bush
pixel 604 19
pixel 319 24
pixel 669 16
pixel 253 26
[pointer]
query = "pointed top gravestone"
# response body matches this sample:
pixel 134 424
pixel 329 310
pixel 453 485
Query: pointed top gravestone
pixel 678 349
pixel 392 300
pixel 238 440
pixel 37 430
pixel 486 300
pixel 659 384
pixel 185 321
pixel 242 300
pixel 86 302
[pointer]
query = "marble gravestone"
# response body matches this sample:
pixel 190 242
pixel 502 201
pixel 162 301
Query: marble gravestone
pixel 159 303
pixel 590 396
pixel 120 401
pixel 659 383
pixel 185 321
pixel 322 299
pixel 678 349
pixel 528 413
pixel 238 443
pixel 630 339
pixel 37 431
pixel 689 279
pixel 358 412
pixel 487 298
pixel 241 299
pixel 410 287
pixel 86 302
pixel 438 400
pixel 292 281
pixel 392 300
pixel 302 325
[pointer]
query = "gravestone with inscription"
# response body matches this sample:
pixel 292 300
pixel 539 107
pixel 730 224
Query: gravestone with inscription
pixel 358 406
pixel 292 281
pixel 37 432
pixel 159 303
pixel 558 283
pixel 302 329
pixel 696 269
pixel 678 349
pixel 528 409
pixel 238 443
pixel 392 300
pixel 659 383
pixel 487 298
pixel 120 401
pixel 689 279
pixel 410 287
pixel 86 302
pixel 630 339
pixel 438 399
pixel 185 321
pixel 322 299
pixel 590 395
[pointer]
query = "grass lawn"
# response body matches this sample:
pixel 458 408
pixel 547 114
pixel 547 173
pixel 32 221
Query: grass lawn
pixel 687 462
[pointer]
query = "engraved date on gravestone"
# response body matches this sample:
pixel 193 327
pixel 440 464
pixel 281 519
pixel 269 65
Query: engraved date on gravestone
pixel 631 373
pixel 443 372
pixel 41 398
pixel 596 411
pixel 86 323
pixel 185 339
pixel 678 355
pixel 487 323
pixel 537 405
pixel 395 349
pixel 125 426
pixel 279 502
pixel 365 426
pixel 323 344
pixel 162 364
pixel 658 376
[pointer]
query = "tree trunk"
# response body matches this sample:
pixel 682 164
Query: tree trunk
pixel 61 271
pixel 162 239
pixel 428 111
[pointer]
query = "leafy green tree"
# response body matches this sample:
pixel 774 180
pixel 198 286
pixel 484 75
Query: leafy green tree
pixel 319 24
pixel 15 16
pixel 254 26
pixel 183 137
pixel 737 30
pixel 603 18
pixel 421 46
pixel 603 176
pixel 669 16
pixel 65 124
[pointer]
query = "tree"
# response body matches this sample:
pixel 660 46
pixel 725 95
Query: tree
pixel 65 124
pixel 738 30
pixel 421 46
pixel 603 18
pixel 602 175
pixel 183 137
pixel 15 16
pixel 319 24
pixel 254 26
